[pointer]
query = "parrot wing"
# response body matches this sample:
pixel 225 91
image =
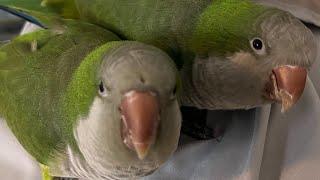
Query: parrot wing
pixel 35 70
pixel 64 8
pixel 40 12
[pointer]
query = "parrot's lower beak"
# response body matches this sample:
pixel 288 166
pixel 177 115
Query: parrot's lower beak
pixel 140 120
pixel 286 85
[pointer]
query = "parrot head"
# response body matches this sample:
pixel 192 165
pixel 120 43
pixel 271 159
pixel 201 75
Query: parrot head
pixel 133 122
pixel 257 56
pixel 287 49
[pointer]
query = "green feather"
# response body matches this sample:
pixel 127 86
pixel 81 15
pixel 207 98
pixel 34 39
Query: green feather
pixel 65 8
pixel 34 5
pixel 45 172
pixel 46 13
pixel 34 82
pixel 182 28
pixel 226 26
pixel 4 43
pixel 165 24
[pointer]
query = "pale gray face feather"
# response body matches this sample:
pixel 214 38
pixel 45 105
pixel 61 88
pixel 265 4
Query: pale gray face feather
pixel 137 82
pixel 273 69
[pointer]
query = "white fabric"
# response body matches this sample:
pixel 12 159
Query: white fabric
pixel 259 144
pixel 15 163
pixel 307 10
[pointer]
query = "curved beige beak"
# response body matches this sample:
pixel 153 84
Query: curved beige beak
pixel 288 85
pixel 140 120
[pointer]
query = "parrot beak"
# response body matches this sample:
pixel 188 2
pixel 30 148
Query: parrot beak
pixel 140 120
pixel 286 85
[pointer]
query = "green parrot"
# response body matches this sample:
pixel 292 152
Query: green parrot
pixel 232 54
pixel 87 105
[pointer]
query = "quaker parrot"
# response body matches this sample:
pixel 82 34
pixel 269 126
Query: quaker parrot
pixel 87 105
pixel 231 53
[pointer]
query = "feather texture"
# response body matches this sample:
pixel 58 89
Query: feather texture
pixel 35 70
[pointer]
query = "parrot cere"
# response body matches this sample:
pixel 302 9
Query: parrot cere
pixel 87 105
pixel 232 54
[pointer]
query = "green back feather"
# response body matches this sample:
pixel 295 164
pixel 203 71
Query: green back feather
pixel 33 82
pixel 34 5
pixel 64 8
pixel 165 24
pixel 181 28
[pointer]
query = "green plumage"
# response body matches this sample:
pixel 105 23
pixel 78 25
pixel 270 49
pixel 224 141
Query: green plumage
pixel 35 72
pixel 182 28
pixel 216 44
pixel 65 8
pixel 226 26
pixel 179 27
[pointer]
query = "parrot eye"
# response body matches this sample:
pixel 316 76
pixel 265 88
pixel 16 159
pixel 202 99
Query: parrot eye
pixel 102 90
pixel 174 92
pixel 258 46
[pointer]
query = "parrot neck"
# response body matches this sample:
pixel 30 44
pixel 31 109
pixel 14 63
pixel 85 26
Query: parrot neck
pixel 217 82
pixel 72 164
pixel 194 90
pixel 206 84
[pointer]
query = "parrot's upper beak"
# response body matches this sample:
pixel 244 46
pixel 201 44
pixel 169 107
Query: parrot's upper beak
pixel 286 85
pixel 140 120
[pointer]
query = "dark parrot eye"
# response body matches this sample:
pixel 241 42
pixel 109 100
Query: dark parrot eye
pixel 258 46
pixel 102 90
pixel 174 93
pixel 101 87
pixel 175 90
